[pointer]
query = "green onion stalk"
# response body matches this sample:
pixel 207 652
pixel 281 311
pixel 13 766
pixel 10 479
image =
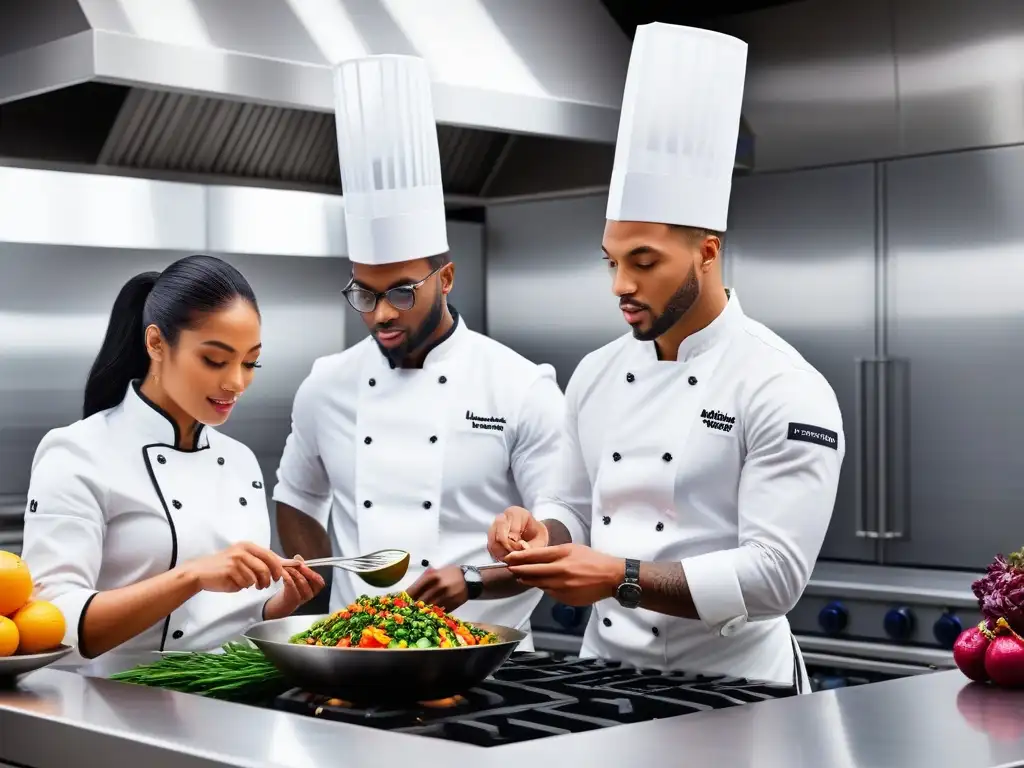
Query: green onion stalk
pixel 241 672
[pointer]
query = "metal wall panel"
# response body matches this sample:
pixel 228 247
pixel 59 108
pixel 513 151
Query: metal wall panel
pixel 802 257
pixel 54 306
pixel 96 211
pixel 99 211
pixel 549 291
pixel 956 278
pixel 821 82
pixel 277 222
pixel 960 69
pixel 839 82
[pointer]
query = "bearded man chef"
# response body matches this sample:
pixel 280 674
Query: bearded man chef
pixel 701 451
pixel 416 437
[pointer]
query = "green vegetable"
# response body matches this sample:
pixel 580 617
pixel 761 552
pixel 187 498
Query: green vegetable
pixel 240 672
pixel 392 621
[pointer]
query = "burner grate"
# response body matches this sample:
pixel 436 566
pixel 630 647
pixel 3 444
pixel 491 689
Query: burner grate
pixel 538 694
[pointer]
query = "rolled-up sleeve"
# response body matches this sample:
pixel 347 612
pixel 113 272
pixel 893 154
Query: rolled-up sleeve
pixel 569 497
pixel 64 530
pixel 787 490
pixel 302 480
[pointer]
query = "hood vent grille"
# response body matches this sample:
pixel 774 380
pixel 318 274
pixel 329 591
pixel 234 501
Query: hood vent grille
pixel 203 136
pixel 183 133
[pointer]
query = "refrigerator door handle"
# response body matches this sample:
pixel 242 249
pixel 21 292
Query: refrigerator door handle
pixel 861 481
pixel 893 410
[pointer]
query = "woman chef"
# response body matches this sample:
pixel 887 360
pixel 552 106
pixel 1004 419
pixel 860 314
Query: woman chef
pixel 702 452
pixel 145 526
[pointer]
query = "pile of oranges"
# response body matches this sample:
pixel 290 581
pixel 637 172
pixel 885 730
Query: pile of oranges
pixel 26 625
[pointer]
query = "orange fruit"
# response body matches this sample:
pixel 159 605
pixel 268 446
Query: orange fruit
pixel 40 627
pixel 15 583
pixel 8 637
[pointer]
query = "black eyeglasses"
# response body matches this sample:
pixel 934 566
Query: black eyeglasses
pixel 401 297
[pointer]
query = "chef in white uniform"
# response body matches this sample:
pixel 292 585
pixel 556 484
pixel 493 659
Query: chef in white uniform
pixel 419 435
pixel 145 526
pixel 702 452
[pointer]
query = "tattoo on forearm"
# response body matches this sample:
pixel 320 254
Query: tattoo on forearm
pixel 557 533
pixel 665 590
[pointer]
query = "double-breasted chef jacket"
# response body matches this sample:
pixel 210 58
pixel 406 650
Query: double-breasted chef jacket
pixel 423 459
pixel 113 501
pixel 726 460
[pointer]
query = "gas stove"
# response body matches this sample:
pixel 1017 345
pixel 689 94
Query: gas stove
pixel 539 694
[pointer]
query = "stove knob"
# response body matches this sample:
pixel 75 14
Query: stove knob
pixel 568 616
pixel 899 623
pixel 833 618
pixel 947 629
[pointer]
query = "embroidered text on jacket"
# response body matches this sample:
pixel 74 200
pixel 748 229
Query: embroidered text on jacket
pixel 486 422
pixel 717 420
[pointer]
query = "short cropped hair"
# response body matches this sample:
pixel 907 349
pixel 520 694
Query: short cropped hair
pixel 438 261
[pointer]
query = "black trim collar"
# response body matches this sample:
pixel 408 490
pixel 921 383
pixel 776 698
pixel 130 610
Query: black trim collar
pixel 196 438
pixel 427 350
pixel 170 526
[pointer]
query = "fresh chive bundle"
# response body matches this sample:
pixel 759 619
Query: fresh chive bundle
pixel 241 671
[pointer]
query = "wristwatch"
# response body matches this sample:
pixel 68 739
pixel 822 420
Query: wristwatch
pixel 474 581
pixel 629 593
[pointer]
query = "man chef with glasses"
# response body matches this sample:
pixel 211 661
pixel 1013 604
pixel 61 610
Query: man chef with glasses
pixel 419 435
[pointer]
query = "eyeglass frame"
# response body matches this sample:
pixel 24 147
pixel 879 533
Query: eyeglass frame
pixel 377 296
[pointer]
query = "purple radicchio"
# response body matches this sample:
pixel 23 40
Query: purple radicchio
pixel 1000 591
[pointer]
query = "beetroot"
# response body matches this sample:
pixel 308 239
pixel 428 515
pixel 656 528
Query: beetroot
pixel 1004 658
pixel 970 651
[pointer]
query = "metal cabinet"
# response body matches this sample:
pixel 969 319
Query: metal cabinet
pixel 955 320
pixel 903 283
pixel 801 254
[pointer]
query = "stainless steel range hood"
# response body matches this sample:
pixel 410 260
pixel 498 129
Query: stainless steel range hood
pixel 527 92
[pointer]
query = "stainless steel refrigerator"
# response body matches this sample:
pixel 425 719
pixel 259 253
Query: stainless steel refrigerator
pixel 903 282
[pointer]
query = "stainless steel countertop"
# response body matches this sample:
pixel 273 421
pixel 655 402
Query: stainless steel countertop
pixel 55 717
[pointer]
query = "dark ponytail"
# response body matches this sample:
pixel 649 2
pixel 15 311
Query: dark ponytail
pixel 172 300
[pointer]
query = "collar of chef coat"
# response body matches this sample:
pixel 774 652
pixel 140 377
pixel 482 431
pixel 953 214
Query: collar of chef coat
pixel 154 425
pixel 719 329
pixel 444 347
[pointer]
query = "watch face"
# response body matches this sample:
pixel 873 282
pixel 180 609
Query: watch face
pixel 628 595
pixel 472 575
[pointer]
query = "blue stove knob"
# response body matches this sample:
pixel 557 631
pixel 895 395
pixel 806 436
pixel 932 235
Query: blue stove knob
pixel 947 629
pixel 899 623
pixel 833 618
pixel 568 616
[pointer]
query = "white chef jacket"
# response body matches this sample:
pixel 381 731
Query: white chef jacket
pixel 423 459
pixel 113 501
pixel 726 460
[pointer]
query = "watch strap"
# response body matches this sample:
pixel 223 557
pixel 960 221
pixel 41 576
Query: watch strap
pixel 474 586
pixel 632 571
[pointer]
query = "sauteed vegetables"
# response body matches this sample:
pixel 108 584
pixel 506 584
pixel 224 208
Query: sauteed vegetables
pixel 393 621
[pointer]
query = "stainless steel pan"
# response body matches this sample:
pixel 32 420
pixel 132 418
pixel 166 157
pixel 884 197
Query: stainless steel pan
pixel 380 676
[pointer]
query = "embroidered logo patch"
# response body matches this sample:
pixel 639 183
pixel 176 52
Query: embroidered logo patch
pixel 717 420
pixel 808 433
pixel 486 422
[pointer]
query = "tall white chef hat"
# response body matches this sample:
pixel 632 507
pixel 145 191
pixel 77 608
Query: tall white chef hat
pixel 390 163
pixel 680 122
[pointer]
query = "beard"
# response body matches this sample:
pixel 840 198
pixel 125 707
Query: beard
pixel 414 340
pixel 678 305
